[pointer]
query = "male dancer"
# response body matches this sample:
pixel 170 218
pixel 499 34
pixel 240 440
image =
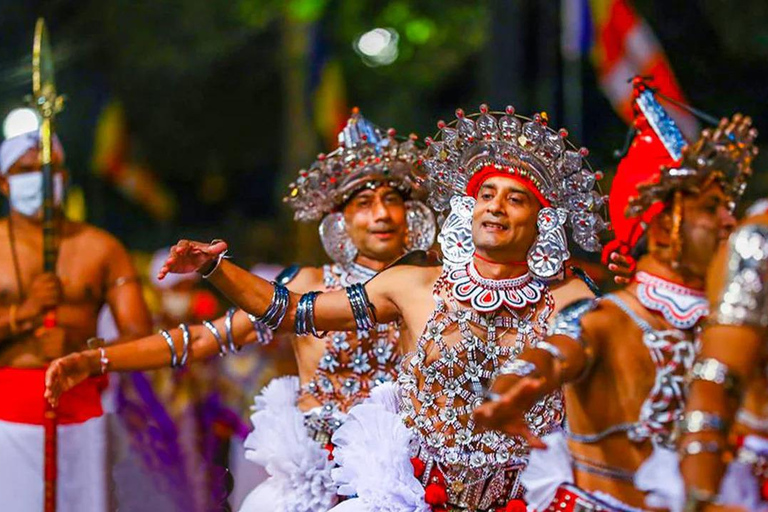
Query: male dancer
pixel 93 269
pixel 624 358
pixel 512 184
pixel 366 196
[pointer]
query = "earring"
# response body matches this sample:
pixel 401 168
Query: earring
pixel 421 226
pixel 455 236
pixel 550 250
pixel 336 241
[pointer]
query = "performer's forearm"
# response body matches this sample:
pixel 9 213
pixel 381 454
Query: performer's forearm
pixel 249 292
pixel 154 352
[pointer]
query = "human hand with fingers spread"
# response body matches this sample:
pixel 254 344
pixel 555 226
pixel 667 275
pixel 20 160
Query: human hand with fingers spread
pixel 623 266
pixel 189 256
pixel 67 372
pixel 512 398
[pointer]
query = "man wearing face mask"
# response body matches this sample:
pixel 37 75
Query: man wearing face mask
pixel 93 269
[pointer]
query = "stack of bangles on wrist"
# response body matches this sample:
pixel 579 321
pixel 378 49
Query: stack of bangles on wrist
pixel 305 316
pixel 362 309
pixel 177 362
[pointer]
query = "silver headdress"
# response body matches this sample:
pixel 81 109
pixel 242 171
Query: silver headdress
pixel 553 169
pixel 366 158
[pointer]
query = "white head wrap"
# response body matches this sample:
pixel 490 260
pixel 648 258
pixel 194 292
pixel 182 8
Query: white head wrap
pixel 14 148
pixel 170 280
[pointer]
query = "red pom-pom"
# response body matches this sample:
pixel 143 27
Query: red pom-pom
pixel 329 447
pixel 418 467
pixel 435 494
pixel 436 477
pixel 204 305
pixel 459 113
pixel 484 108
pixel 515 506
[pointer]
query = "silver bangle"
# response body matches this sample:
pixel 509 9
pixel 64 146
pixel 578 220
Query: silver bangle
pixel 517 367
pixel 712 370
pixel 103 361
pixel 362 309
pixel 551 349
pixel 186 339
pixel 277 308
pixel 218 259
pixel 699 447
pixel 228 330
pixel 217 336
pixel 305 315
pixel 169 340
pixel 700 421
pixel 264 335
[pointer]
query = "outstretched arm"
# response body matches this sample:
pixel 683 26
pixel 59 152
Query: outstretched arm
pixel 222 336
pixel 565 356
pixel 331 311
pixel 732 351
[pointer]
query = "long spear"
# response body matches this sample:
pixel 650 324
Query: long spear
pixel 48 104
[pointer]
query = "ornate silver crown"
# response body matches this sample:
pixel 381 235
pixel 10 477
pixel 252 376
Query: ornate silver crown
pixel 524 147
pixel 366 157
pixel 724 153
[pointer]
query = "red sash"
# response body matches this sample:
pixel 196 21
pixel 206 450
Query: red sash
pixel 22 401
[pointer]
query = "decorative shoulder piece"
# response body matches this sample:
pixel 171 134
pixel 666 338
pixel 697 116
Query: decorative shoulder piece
pixel 288 274
pixel 567 322
pixel 744 299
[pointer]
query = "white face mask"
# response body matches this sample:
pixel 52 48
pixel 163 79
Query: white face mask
pixel 27 192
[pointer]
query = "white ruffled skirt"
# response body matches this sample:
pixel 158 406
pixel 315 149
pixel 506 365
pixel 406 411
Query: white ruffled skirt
pixel 298 467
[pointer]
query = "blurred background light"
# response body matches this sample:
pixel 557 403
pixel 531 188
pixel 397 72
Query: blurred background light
pixel 20 120
pixel 378 47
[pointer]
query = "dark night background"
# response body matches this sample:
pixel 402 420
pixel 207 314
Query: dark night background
pixel 217 94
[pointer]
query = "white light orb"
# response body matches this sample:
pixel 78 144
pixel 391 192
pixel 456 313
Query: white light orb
pixel 19 121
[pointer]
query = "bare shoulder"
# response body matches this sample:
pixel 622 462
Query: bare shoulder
pixel 568 291
pixel 307 280
pixel 409 275
pixel 97 241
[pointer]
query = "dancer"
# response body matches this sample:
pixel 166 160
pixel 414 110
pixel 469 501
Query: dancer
pixel 623 359
pixel 367 198
pixel 512 184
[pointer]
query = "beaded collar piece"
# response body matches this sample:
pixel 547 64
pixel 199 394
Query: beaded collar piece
pixel 680 305
pixel 488 295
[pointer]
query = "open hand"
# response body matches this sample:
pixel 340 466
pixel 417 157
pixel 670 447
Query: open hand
pixel 188 256
pixel 513 398
pixel 65 373
pixel 623 266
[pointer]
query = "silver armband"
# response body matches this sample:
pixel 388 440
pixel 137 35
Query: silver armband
pixel 277 309
pixel 264 335
pixel 567 322
pixel 743 300
pixel 712 370
pixel 362 309
pixel 702 421
pixel 305 315
pixel 551 350
pixel 517 367
pixel 169 340
pixel 228 330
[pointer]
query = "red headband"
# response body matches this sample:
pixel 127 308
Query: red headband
pixel 490 171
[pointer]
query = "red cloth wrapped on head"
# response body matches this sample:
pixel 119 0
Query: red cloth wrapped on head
pixel 490 171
